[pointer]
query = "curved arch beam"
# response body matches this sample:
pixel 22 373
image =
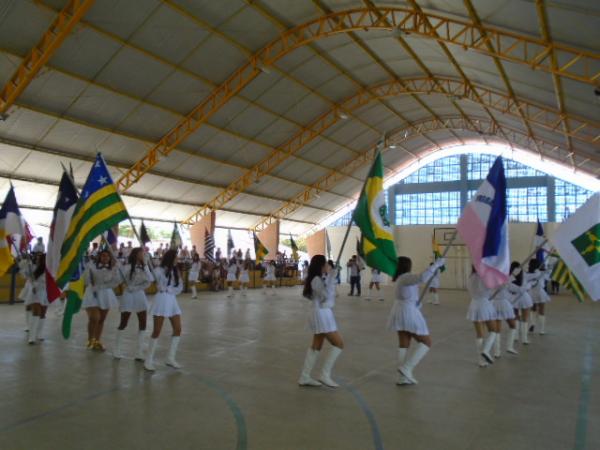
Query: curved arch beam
pixel 483 126
pixel 537 114
pixel 579 65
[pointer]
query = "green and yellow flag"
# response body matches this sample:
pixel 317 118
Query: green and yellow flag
pixel 562 275
pixel 294 249
pixel 260 250
pixel 371 216
pixel 98 209
pixel 437 251
pixel 74 292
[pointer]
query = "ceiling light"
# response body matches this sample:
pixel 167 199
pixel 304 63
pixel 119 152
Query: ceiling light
pixel 393 146
pixel 263 68
pixel 342 115
pixel 405 134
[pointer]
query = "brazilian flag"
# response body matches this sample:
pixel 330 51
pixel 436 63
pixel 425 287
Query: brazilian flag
pixel 260 250
pixel 371 216
pixel 437 251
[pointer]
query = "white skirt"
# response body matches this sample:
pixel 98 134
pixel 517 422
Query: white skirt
pixel 133 301
pixel 540 297
pixel 193 277
pixel 270 278
pixel 231 277
pixel 25 292
pixel 244 278
pixel 522 301
pixel 481 311
pixel 321 320
pixel 376 278
pixel 104 299
pixel 504 309
pixel 407 317
pixel 165 305
pixel 32 298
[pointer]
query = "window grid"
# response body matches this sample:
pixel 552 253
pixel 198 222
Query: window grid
pixel 427 208
pixel 525 204
pixel 478 166
pixel 444 169
pixel 568 197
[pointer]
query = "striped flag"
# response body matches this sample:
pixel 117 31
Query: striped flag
pixel 294 249
pixel 98 209
pixel 562 275
pixel 11 222
pixel 259 249
pixel 209 246
pixel 437 251
pixel 64 207
pixel 74 291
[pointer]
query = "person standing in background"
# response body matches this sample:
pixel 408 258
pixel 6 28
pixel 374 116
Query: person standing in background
pixel 355 267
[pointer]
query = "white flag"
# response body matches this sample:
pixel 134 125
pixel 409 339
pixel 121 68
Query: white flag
pixel 577 241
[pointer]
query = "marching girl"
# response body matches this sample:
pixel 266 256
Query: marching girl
pixel 26 271
pixel 244 277
pixel 505 311
pixel 521 300
pixel 194 273
pixel 433 289
pixel 133 300
pixel 232 270
pixel 100 279
pixel 407 320
pixel 482 313
pixel 375 282
pixel 536 279
pixel 270 278
pixel 321 321
pixel 169 284
pixel 37 300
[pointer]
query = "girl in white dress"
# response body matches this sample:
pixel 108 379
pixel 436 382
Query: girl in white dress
pixel 26 271
pixel 375 283
pixel 270 279
pixel 194 273
pixel 37 299
pixel 521 300
pixel 536 279
pixel 133 300
pixel 100 279
pixel 505 311
pixel 482 313
pixel 407 320
pixel 244 277
pixel 232 270
pixel 321 321
pixel 169 284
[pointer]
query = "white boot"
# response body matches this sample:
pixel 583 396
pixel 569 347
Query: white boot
pixel 497 349
pixel 117 354
pixel 39 334
pixel 139 355
pixel 33 326
pixel 264 286
pixel 402 380
pixel 436 298
pixel 325 377
pixel 309 362
pixel 380 296
pixel 542 324
pixel 244 289
pixel 518 328
pixel 479 347
pixel 524 332
pixel 368 297
pixel 487 347
pixel 194 292
pixel 230 292
pixel 412 360
pixel 532 321
pixel 149 362
pixel 28 316
pixel 273 290
pixel 430 298
pixel 172 352
pixel 510 341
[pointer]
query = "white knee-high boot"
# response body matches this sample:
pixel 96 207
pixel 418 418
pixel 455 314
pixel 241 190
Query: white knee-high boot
pixel 33 327
pixel 244 289
pixel 149 362
pixel 264 286
pixel 118 345
pixel 28 316
pixel 487 347
pixel 533 320
pixel 309 363
pixel 194 292
pixel 230 291
pixel 139 355
pixel 436 298
pixel 524 333
pixel 172 352
pixel 368 297
pixel 402 380
pixel 272 289
pixel 412 360
pixel 497 349
pixel 510 340
pixel 328 364
pixel 479 347
pixel 39 334
pixel 541 324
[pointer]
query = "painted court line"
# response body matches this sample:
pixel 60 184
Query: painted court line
pixel 584 395
pixel 364 406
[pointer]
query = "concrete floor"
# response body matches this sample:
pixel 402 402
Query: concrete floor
pixel 238 388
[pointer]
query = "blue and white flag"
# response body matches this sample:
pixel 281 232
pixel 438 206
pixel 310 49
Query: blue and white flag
pixel 540 254
pixel 483 226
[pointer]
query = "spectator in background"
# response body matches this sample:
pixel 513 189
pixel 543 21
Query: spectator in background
pixel 355 267
pixel 39 246
pixel 218 254
pixel 194 252
pixel 184 253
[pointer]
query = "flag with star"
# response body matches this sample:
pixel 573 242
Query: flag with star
pixel 98 209
pixel 577 241
pixel 371 216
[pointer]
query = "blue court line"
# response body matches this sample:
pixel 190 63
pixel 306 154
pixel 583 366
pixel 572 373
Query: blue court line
pixel 240 422
pixel 584 395
pixel 375 433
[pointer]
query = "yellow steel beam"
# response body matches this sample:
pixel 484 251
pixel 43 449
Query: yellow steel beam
pixel 556 81
pixel 503 75
pixel 60 28
pixel 481 126
pixel 449 30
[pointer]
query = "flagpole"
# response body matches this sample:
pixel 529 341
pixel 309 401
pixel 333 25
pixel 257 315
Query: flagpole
pixel 430 280
pixel 380 145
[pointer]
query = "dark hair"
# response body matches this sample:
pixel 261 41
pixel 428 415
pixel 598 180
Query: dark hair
pixel 196 257
pixel 132 260
pixel 40 267
pixel 331 263
pixel 315 268
pixel 534 264
pixel 403 266
pixel 168 263
pixel 110 263
pixel 518 278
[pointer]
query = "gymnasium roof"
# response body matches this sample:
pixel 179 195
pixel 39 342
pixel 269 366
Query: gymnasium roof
pixel 199 104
